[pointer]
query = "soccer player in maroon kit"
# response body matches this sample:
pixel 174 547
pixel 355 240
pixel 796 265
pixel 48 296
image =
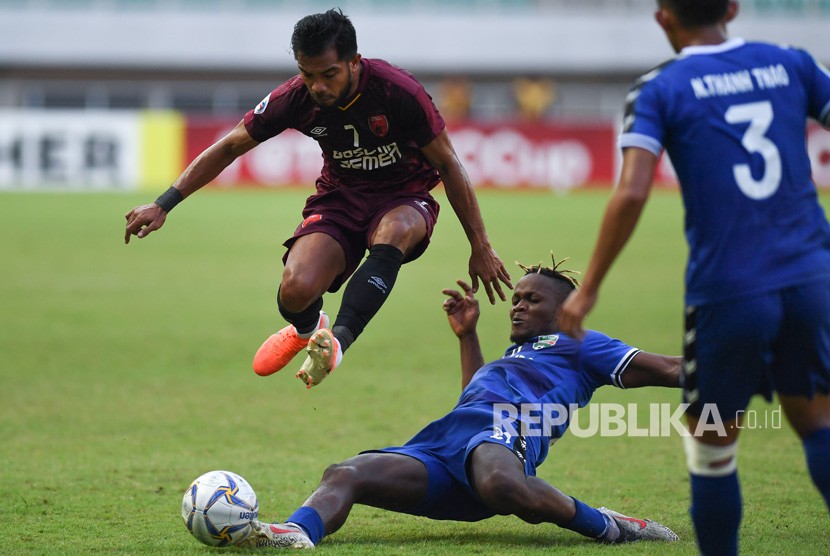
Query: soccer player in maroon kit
pixel 385 147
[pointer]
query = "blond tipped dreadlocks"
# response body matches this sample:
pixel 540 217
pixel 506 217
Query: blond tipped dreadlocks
pixel 553 271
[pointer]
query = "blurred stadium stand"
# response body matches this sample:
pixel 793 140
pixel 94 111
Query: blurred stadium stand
pixel 556 58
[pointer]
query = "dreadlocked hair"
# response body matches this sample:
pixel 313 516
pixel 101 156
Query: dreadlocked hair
pixel 559 275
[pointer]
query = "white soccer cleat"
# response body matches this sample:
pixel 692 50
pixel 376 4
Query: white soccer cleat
pixel 633 529
pixel 324 354
pixel 276 535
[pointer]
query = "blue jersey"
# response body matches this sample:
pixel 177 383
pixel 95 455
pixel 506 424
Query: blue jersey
pixel 732 118
pixel 553 369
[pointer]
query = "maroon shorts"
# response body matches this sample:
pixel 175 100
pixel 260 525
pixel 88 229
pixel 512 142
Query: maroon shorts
pixel 350 217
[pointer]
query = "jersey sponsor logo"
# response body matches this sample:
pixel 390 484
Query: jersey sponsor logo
pixel 318 131
pixel 359 158
pixel 262 105
pixel 543 342
pixel 379 125
pixel 311 220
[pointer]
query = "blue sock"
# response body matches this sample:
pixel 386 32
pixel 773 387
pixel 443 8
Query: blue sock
pixel 588 521
pixel 716 513
pixel 310 521
pixel 817 450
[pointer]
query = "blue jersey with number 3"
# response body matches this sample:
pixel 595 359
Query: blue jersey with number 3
pixel 732 118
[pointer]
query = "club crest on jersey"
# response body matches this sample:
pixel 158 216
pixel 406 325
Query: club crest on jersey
pixel 262 105
pixel 543 342
pixel 311 220
pixel 379 125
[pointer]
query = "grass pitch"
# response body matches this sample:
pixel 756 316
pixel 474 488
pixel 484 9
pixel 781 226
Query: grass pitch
pixel 126 374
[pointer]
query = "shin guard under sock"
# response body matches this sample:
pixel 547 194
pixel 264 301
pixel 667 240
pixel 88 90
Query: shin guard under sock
pixel 716 513
pixel 817 451
pixel 306 320
pixel 588 521
pixel 366 292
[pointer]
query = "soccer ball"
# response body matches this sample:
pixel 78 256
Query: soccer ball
pixel 219 508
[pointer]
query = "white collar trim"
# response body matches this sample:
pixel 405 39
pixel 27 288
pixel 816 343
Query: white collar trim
pixel 729 44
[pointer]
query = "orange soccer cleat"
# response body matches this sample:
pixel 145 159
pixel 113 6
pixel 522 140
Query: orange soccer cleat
pixel 280 348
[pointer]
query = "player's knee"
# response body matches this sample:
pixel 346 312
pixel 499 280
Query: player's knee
pixel 501 492
pixel 708 460
pixel 295 294
pixel 402 234
pixel 339 474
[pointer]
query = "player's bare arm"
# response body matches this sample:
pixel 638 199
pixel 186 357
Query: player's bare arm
pixel 462 313
pixel 485 264
pixel 618 223
pixel 145 219
pixel 652 369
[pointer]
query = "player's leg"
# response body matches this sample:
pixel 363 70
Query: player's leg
pixel 399 231
pixel 384 480
pixel 716 506
pixel 810 418
pixel 498 477
pixel 313 262
pixel 726 354
pixel 802 375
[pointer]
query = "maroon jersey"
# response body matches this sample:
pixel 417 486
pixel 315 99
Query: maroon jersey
pixel 370 144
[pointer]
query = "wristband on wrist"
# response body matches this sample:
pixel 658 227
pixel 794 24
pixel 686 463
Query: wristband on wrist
pixel 170 199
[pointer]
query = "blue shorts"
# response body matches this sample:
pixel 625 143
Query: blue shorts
pixel 444 447
pixel 777 341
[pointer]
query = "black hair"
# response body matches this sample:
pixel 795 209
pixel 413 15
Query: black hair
pixel 563 279
pixel 316 33
pixel 696 13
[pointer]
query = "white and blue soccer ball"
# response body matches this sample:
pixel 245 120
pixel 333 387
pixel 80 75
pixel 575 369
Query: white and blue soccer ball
pixel 219 508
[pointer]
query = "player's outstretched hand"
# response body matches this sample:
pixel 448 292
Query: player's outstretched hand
pixel 573 311
pixel 144 219
pixel 486 265
pixel 462 309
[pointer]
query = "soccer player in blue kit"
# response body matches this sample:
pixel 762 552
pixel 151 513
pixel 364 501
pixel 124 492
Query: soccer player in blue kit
pixel 385 146
pixel 731 115
pixel 471 464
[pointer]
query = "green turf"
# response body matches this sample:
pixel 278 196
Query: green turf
pixel 126 373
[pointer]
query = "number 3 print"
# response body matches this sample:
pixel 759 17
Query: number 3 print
pixel 759 115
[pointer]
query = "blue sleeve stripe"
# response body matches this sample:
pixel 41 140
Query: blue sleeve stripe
pixel 642 141
pixel 616 376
